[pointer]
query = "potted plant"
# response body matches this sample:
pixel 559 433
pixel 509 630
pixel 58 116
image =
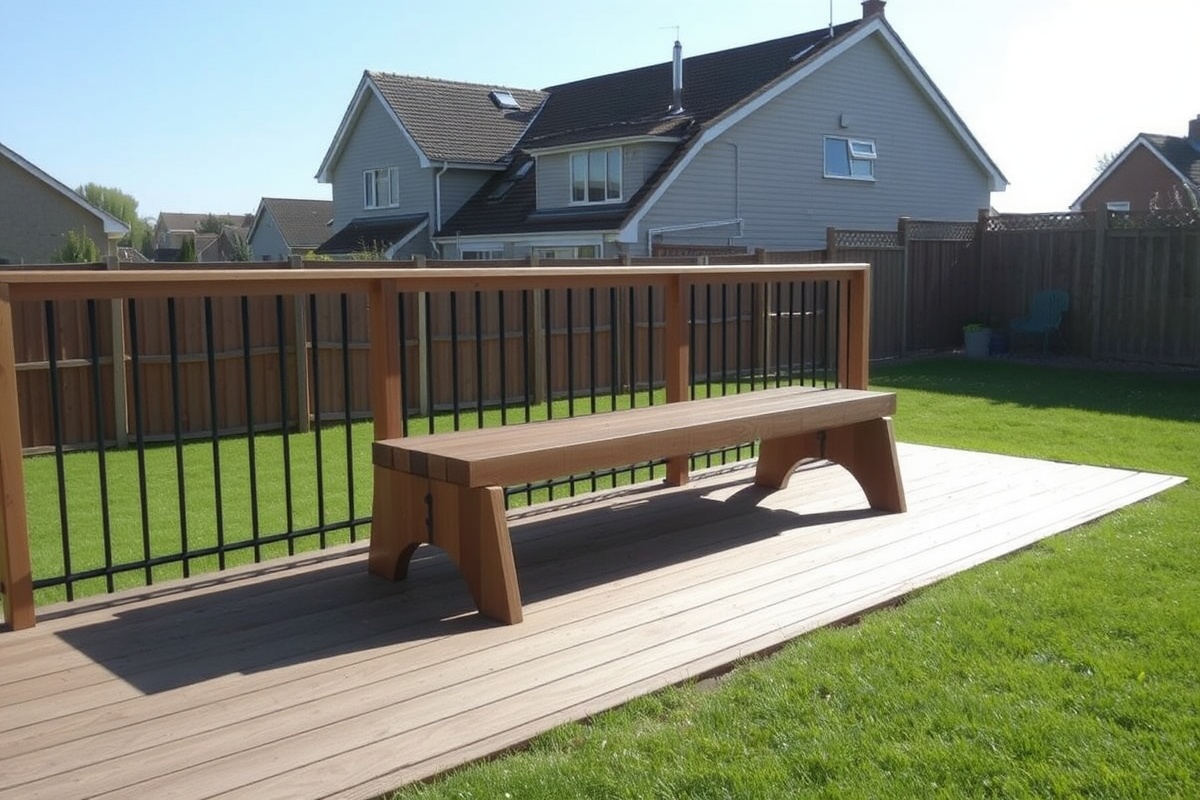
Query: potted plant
pixel 976 339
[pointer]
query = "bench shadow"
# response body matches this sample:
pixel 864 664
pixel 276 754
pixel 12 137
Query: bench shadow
pixel 279 617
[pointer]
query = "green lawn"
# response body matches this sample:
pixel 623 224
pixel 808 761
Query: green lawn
pixel 1071 669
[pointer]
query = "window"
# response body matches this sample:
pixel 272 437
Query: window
pixel 850 158
pixel 381 188
pixel 582 251
pixel 1117 205
pixel 596 176
pixel 481 255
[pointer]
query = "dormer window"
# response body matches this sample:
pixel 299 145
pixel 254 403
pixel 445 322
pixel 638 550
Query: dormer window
pixel 596 176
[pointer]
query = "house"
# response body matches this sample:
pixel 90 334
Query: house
pixel 284 227
pixel 172 227
pixel 1153 171
pixel 37 211
pixel 758 146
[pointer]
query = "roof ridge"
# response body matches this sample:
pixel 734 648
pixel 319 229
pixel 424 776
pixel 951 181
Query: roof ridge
pixel 451 81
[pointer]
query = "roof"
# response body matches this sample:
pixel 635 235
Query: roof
pixel 719 89
pixel 1178 153
pixel 113 227
pixel 446 121
pixel 636 102
pixel 188 221
pixel 373 233
pixel 303 224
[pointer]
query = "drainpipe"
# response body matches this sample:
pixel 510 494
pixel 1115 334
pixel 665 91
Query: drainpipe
pixel 437 205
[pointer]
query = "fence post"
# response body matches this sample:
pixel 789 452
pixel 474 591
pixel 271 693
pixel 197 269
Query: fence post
pixel 120 389
pixel 387 384
pixel 983 287
pixel 902 235
pixel 675 365
pixel 16 573
pixel 300 348
pixel 830 245
pixel 1101 237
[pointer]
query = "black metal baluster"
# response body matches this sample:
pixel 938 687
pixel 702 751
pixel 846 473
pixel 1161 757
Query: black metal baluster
pixel 251 443
pixel 429 360
pixel 454 378
pixel 650 339
pixel 177 422
pixel 791 348
pixel 527 366
pixel 614 348
pixel 285 418
pixel 214 427
pixel 402 324
pixel 571 358
pixel 633 351
pixel 548 334
pixel 315 379
pixel 593 376
pixel 101 454
pixel 708 340
pixel 59 454
pixel 135 368
pixel 724 339
pixel 347 417
pixel 692 339
pixel 502 325
pixel 479 360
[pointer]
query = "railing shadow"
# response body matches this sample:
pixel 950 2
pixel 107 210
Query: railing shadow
pixel 290 617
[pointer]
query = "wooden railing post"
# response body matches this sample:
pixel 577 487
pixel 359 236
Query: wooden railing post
pixel 16 573
pixel 854 336
pixel 387 384
pixel 675 365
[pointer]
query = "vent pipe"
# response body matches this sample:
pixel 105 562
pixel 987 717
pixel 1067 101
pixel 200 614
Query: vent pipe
pixel 677 79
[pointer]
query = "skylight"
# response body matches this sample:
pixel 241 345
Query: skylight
pixel 504 100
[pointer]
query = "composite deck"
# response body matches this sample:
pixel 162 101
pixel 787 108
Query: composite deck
pixel 312 679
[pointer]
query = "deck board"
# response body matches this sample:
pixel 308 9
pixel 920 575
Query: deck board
pixel 317 680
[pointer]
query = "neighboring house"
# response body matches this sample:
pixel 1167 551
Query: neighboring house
pixel 1153 171
pixel 759 146
pixel 172 227
pixel 37 211
pixel 284 227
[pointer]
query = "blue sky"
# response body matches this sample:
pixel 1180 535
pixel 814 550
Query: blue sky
pixel 210 106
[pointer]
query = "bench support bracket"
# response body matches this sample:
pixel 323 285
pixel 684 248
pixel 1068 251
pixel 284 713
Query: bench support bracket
pixel 467 523
pixel 866 449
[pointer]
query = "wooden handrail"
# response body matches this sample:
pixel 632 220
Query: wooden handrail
pixel 381 282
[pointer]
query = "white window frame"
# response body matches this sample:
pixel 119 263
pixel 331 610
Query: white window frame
pixel 1117 205
pixel 481 253
pixel 601 159
pixel 568 252
pixel 860 153
pixel 371 178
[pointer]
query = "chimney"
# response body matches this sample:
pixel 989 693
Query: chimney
pixel 1194 132
pixel 873 8
pixel 677 80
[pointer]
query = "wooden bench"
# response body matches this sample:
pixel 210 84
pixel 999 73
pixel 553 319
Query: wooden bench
pixel 447 489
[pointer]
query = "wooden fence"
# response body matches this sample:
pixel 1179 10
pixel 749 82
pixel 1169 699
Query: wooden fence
pixel 1133 281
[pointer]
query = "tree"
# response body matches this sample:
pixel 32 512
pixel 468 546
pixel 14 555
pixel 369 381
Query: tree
pixel 1104 160
pixel 210 224
pixel 187 250
pixel 239 247
pixel 121 205
pixel 78 249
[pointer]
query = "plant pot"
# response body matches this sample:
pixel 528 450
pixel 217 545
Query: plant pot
pixel 976 341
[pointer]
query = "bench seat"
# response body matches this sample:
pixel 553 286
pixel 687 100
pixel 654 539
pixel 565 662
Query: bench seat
pixel 447 489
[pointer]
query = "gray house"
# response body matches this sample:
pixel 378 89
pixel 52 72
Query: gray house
pixel 284 227
pixel 759 146
pixel 37 211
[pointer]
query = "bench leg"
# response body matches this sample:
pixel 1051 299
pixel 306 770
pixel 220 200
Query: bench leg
pixel 866 449
pixel 469 524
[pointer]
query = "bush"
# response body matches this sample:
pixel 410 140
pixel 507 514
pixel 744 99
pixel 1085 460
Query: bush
pixel 78 249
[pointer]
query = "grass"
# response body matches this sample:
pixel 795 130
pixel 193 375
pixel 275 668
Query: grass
pixel 1067 670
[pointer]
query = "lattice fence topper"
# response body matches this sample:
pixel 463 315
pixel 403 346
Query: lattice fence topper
pixel 867 239
pixel 1067 221
pixel 942 231
pixel 1159 219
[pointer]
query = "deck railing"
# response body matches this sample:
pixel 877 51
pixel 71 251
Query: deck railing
pixel 122 358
